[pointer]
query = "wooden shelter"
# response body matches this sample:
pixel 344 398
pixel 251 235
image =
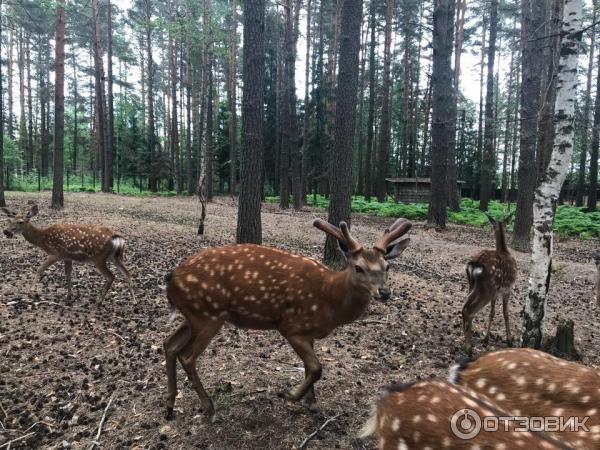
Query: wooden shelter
pixel 414 190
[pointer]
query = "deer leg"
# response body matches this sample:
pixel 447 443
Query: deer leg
pixel 476 300
pixel 489 328
pixel 202 334
pixel 68 273
pixel 121 267
pixel 108 275
pixel 303 346
pixel 173 345
pixel 51 259
pixel 505 300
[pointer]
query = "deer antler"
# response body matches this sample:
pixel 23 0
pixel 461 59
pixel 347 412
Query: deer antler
pixel 399 228
pixel 342 235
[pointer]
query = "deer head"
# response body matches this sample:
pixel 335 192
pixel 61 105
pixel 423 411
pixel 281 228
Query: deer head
pixel 17 222
pixel 369 267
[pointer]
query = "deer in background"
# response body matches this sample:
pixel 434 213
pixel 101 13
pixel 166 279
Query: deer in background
pixel 72 242
pixel 491 273
pixel 256 287
pixel 596 258
pixel 437 414
pixel 526 382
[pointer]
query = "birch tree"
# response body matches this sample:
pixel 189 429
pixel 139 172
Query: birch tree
pixel 546 195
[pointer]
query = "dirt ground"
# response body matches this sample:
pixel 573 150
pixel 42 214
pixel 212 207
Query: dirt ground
pixel 61 363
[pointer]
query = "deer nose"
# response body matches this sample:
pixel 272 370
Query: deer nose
pixel 8 234
pixel 384 293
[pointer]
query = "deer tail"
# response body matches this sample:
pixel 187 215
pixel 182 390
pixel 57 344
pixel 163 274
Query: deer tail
pixel 172 307
pixel 118 244
pixel 370 426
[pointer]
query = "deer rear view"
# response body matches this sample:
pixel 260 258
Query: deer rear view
pixel 256 287
pixel 526 382
pixel 491 273
pixel 436 414
pixel 72 242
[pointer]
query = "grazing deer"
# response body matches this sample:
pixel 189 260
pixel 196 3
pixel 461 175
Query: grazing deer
pixel 256 287
pixel 72 242
pixel 528 382
pixel 491 273
pixel 596 257
pixel 436 414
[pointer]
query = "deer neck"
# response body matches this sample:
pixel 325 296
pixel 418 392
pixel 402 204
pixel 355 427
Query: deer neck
pixel 34 235
pixel 501 240
pixel 351 299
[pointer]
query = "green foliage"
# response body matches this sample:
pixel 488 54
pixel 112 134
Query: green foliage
pixel 569 220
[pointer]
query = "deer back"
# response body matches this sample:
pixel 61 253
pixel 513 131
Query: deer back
pixel 253 286
pixel 533 383
pixel 430 414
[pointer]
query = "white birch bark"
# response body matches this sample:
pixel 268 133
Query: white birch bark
pixel 546 195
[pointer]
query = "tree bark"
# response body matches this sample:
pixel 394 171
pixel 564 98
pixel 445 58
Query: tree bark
pixel 386 123
pixel 110 123
pixel 507 125
pixel 232 98
pixel 59 108
pixel 548 191
pixel 249 220
pixel 586 112
pixel 2 199
pixel 488 166
pixel 592 198
pixel 307 110
pixel 30 158
pixel 9 74
pixel 151 132
pixel 174 132
pixel 345 115
pixel 371 121
pixel 477 159
pixel 532 19
pixel 441 80
pixel 101 131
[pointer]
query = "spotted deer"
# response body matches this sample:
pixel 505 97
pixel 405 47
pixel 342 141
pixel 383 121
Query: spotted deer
pixel 436 414
pixel 596 258
pixel 93 244
pixel 491 274
pixel 257 287
pixel 528 382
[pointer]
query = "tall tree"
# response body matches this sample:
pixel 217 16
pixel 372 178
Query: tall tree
pixel 371 120
pixel 249 221
pixel 101 129
pixel 548 191
pixel 592 198
pixel 2 199
pixel 174 130
pixel 59 108
pixel 532 19
pixel 306 123
pixel 585 126
pixel 441 80
pixel 345 115
pixel 151 132
pixel 488 166
pixel 386 125
pixel 110 122
pixel 231 98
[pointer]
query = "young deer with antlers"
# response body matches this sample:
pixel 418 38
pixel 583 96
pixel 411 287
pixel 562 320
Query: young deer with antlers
pixel 526 382
pixel 492 273
pixel 436 414
pixel 72 242
pixel 256 287
pixel 596 258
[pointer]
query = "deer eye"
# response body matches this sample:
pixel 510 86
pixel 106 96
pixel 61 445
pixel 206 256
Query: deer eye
pixel 359 269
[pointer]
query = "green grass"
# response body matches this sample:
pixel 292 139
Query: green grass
pixel 569 221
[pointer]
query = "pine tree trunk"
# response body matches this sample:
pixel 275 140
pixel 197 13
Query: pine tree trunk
pixel 2 199
pixel 386 123
pixel 488 165
pixel 59 108
pixel 174 132
pixel 442 96
pixel 478 156
pixel 345 115
pixel 9 75
pixel 371 121
pixel 22 125
pixel 30 159
pixel 592 199
pixel 532 19
pixel 414 145
pixel 232 99
pixel 426 120
pixel 287 114
pixel 548 191
pixel 101 133
pixel 44 94
pixel 507 124
pixel 151 137
pixel 361 108
pixel 110 123
pixel 307 110
pixel 209 165
pixel 75 122
pixel 585 127
pixel 249 220
pixel 406 81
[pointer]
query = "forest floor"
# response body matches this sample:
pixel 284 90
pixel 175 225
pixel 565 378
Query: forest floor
pixel 61 362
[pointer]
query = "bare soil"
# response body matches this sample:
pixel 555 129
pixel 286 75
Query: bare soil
pixel 61 362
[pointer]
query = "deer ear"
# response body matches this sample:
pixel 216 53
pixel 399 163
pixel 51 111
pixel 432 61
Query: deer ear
pixel 33 211
pixel 8 212
pixel 395 250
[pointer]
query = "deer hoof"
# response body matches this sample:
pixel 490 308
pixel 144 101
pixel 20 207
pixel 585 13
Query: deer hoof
pixel 290 396
pixel 169 413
